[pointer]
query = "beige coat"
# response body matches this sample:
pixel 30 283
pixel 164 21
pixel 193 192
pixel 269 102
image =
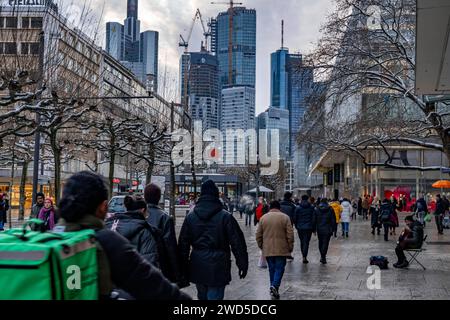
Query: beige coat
pixel 275 235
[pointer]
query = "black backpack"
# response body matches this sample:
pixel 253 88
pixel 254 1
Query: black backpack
pixel 385 214
pixel 380 261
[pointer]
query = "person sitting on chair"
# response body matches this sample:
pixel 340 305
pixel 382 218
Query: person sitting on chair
pixel 410 238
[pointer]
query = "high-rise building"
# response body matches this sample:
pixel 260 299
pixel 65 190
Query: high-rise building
pixel 244 46
pixel 277 119
pixel 137 51
pixel 199 79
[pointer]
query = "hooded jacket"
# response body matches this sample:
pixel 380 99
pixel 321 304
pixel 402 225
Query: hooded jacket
pixel 346 213
pixel 337 208
pixel 288 207
pixel 144 237
pixel 162 221
pixel 304 216
pixel 324 219
pixel 204 244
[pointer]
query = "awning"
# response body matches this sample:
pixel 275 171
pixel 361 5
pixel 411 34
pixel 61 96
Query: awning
pixel 262 189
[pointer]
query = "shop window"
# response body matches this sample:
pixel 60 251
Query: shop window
pixel 25 23
pixel 10 48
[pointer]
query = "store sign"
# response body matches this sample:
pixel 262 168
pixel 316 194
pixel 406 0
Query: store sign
pixel 31 3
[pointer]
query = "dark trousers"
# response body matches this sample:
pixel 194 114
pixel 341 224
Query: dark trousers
pixel 248 219
pixel 305 238
pixel 439 223
pixel 324 242
pixel 365 213
pixel 210 293
pixel 386 231
pixel 400 254
pixel 276 266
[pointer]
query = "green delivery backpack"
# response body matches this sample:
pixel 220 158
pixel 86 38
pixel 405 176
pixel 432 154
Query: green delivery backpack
pixel 48 266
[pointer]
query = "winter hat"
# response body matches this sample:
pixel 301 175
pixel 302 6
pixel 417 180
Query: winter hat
pixel 51 201
pixel 209 188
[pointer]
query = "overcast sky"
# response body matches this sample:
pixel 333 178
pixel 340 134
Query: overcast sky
pixel 303 19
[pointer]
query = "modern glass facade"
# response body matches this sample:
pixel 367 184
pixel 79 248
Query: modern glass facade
pixel 244 46
pixel 201 71
pixel 137 51
pixel 279 79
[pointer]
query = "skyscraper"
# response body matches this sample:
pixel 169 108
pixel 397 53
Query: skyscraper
pixel 137 51
pixel 200 81
pixel 244 46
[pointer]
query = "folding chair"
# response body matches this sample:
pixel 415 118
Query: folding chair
pixel 414 253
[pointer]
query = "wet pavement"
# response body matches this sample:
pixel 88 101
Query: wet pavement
pixel 345 277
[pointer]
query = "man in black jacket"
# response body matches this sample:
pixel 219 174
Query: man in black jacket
pixel 304 223
pixel 439 214
pixel 204 244
pixel 324 224
pixel 288 206
pixel 161 220
pixel 84 205
pixel 411 238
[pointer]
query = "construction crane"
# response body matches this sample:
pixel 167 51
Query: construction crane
pixel 231 4
pixel 184 42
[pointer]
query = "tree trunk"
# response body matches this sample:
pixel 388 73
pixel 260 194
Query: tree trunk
pixel 57 161
pixel 22 195
pixel 112 160
pixel 151 164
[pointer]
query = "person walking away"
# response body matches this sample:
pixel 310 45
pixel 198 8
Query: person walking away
pixel 161 220
pixel 439 214
pixel 324 224
pixel 411 238
pixel 395 221
pixel 345 217
pixel 304 223
pixel 386 212
pixel 231 202
pixel 249 211
pixel 421 209
pixel 84 205
pixel 359 207
pixel 375 217
pixel 204 244
pixel 47 214
pixel 133 226
pixel 288 206
pixel 337 209
pixel 275 237
pixel 365 207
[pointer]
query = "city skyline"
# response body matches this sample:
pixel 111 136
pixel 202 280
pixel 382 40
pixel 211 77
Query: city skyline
pixel 300 33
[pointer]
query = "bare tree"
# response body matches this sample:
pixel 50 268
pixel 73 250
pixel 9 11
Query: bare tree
pixel 367 58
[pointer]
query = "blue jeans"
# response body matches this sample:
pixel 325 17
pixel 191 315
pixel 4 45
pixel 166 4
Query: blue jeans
pixel 276 270
pixel 345 227
pixel 210 293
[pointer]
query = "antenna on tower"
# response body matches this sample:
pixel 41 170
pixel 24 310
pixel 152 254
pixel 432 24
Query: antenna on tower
pixel 282 33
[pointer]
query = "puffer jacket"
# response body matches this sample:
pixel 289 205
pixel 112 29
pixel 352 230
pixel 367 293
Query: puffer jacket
pixel 304 216
pixel 346 213
pixel 161 220
pixel 337 210
pixel 144 237
pixel 324 219
pixel 204 244
pixel 288 207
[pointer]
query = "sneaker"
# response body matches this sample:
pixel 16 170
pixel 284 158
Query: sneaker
pixel 373 232
pixel 346 235
pixel 274 293
pixel 305 261
pixel 403 265
pixel 323 261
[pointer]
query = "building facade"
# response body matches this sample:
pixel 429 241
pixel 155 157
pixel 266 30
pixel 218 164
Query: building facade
pixel 199 80
pixel 74 66
pixel 138 51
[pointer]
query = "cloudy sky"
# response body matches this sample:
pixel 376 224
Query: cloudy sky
pixel 303 19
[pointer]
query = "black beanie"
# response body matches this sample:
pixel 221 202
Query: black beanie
pixel 209 188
